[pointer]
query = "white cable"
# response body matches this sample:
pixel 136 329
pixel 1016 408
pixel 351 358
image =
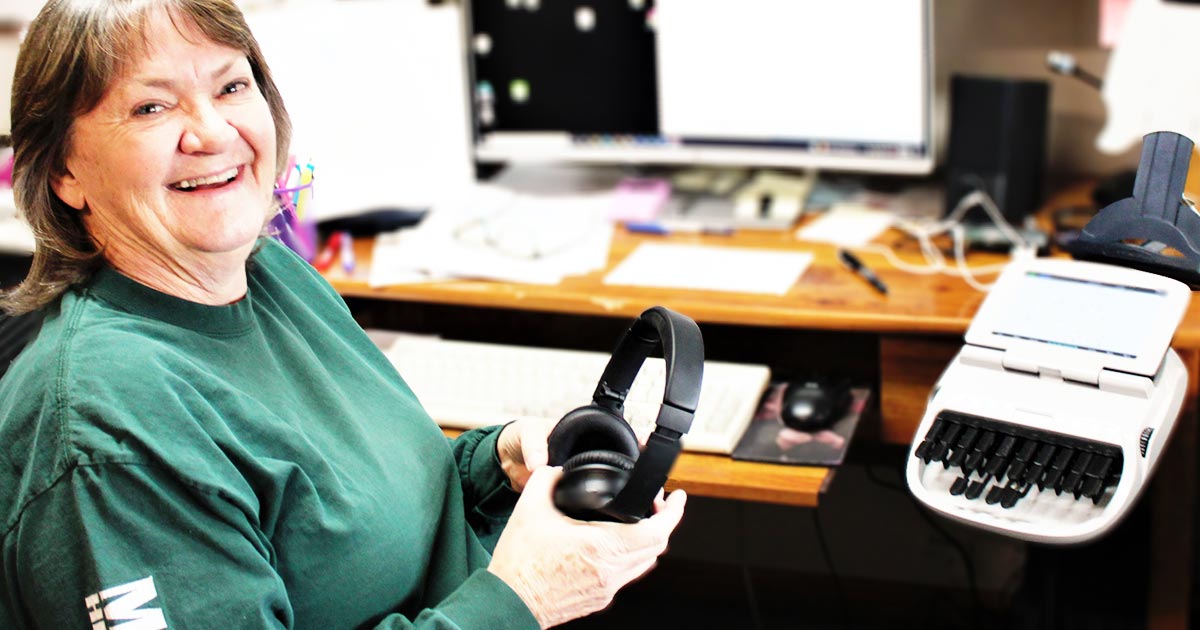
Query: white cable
pixel 925 231
pixel 960 259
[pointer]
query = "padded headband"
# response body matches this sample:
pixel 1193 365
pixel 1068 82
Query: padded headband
pixel 683 351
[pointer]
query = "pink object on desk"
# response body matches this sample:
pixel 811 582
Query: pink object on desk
pixel 639 199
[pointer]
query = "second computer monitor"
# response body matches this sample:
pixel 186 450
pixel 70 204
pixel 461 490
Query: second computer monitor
pixel 831 84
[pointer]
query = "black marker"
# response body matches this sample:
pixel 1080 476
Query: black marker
pixel 854 264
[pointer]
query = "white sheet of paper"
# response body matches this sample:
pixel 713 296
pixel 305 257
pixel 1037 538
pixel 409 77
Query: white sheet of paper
pixel 847 224
pixel 736 269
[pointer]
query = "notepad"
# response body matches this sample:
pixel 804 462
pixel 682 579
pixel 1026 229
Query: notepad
pixel 736 269
pixel 847 224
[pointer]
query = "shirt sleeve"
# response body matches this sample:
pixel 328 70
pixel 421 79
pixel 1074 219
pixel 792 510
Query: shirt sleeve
pixel 488 497
pixel 125 543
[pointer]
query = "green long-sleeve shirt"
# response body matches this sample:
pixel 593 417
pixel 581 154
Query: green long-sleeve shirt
pixel 166 464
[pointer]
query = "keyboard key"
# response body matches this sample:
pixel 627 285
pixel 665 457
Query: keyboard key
pixel 1057 469
pixel 1016 472
pixel 931 437
pixel 1095 477
pixel 942 450
pixel 1012 494
pixel 1037 466
pixel 1005 449
pixel 979 452
pixel 1074 476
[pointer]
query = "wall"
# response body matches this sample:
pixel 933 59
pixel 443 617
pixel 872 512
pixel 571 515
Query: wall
pixel 1008 38
pixel 1011 39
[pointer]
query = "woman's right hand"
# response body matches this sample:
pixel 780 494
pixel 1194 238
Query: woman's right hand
pixel 564 569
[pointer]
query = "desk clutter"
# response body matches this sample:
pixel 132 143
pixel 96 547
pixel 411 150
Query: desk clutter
pixel 540 224
pixel 497 233
pixel 1048 424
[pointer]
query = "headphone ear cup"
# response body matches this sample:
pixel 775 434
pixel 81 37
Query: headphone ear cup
pixel 597 450
pixel 591 428
pixel 609 459
pixel 590 481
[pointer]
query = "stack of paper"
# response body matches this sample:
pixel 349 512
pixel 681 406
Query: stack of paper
pixel 495 233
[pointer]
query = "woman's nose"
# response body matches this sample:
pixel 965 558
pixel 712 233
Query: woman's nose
pixel 207 131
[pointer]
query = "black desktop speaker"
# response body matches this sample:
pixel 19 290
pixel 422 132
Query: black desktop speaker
pixel 997 144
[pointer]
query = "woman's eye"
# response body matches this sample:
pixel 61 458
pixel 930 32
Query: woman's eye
pixel 236 86
pixel 148 108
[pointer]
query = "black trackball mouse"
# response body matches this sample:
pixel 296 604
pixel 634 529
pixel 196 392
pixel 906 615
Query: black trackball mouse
pixel 813 404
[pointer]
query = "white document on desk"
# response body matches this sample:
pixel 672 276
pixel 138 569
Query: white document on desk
pixel 737 269
pixel 496 234
pixel 847 224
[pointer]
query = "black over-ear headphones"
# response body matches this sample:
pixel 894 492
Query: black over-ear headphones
pixel 605 474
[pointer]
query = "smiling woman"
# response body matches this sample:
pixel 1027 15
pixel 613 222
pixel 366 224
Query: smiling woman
pixel 173 168
pixel 200 435
pixel 83 69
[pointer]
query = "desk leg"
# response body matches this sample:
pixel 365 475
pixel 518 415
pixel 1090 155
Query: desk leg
pixel 1173 516
pixel 909 367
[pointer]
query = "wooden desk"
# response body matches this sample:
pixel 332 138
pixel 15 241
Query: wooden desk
pixel 828 297
pixel 919 326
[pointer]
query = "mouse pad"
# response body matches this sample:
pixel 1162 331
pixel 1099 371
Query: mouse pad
pixel 768 439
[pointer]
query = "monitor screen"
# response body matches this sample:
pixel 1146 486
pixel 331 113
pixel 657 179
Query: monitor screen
pixel 831 84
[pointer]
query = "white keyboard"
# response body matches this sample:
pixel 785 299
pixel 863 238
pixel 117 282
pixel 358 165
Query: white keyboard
pixel 467 385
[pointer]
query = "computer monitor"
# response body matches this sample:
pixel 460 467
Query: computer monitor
pixel 827 84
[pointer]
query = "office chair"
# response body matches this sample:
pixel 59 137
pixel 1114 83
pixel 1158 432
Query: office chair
pixel 15 332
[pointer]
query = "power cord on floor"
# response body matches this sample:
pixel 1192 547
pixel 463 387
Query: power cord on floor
pixel 747 579
pixel 839 587
pixel 964 555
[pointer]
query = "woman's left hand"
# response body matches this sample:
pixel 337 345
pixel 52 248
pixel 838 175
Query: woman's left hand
pixel 522 449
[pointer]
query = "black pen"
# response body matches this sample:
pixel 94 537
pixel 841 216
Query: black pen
pixel 854 264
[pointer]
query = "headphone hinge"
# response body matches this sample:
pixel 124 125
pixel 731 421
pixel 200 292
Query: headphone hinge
pixel 609 398
pixel 674 418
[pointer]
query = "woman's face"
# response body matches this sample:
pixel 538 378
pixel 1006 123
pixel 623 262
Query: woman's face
pixel 176 163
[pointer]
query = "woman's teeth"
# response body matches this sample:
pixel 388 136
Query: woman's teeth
pixel 219 178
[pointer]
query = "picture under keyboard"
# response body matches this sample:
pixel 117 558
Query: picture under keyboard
pixel 469 384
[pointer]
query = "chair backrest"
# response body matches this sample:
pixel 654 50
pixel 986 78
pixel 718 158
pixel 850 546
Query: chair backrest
pixel 15 332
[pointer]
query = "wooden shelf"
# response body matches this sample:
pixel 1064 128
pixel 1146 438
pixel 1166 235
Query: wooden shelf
pixel 721 477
